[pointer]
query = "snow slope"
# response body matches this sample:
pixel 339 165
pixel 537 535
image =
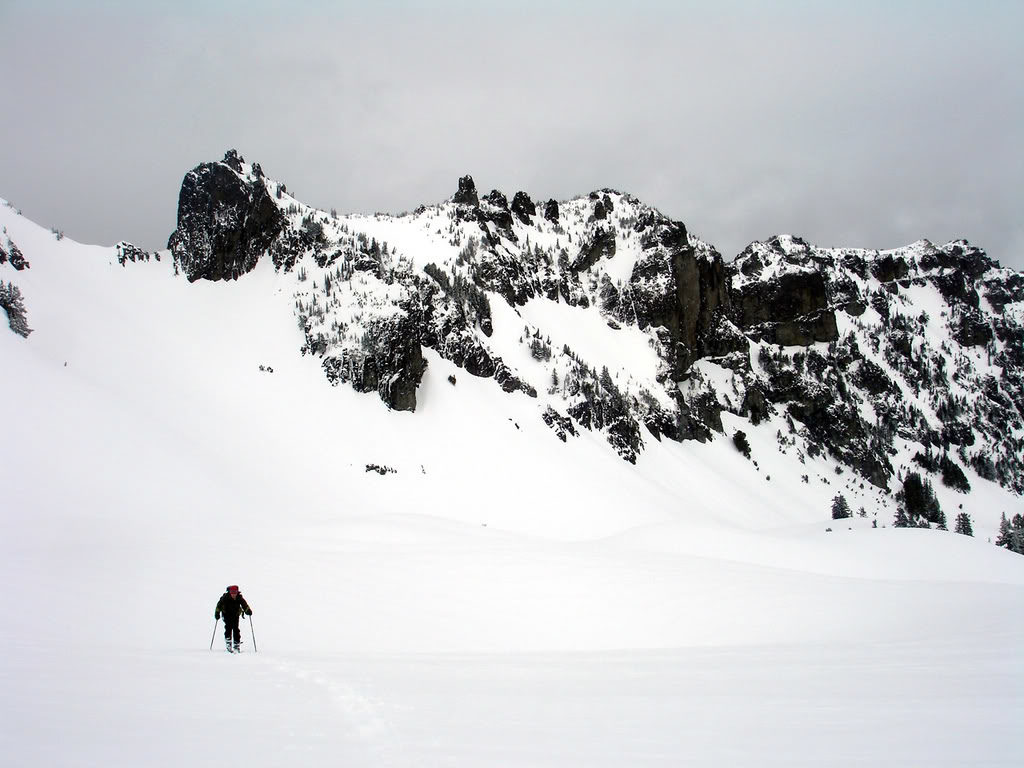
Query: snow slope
pixel 501 599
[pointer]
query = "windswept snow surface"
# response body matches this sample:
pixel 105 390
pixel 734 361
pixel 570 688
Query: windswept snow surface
pixel 502 599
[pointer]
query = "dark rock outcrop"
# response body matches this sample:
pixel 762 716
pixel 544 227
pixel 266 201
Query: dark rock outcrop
pixel 390 363
pixel 445 328
pixel 836 425
pixel 494 208
pixel 467 192
pixel 127 252
pixel 562 425
pixel 960 256
pixel 551 211
pixel 622 430
pixel 508 276
pixel 970 328
pixel 599 245
pixel 789 309
pixel 225 222
pixel 523 207
pixel 889 268
pixel 1004 289
pixel 673 288
pixel 956 287
pixel 756 406
pixel 790 296
pixel 872 379
pixel 494 217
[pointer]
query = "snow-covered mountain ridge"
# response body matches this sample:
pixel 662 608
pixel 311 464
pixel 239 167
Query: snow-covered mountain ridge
pixel 612 318
pixel 633 327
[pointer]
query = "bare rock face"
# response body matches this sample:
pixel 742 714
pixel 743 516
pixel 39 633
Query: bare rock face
pixel 620 427
pixel 391 363
pixel 789 296
pixel 890 268
pixel 127 252
pixel 561 425
pixel 467 192
pixel 599 245
pixel 970 327
pixel 1004 289
pixel 495 218
pixel 551 211
pixel 226 221
pixel 959 255
pixel 523 208
pixel 445 328
pixel 672 287
pixel 789 303
pixel 515 280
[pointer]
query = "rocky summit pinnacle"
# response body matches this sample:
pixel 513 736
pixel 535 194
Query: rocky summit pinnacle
pixel 467 192
pixel 226 219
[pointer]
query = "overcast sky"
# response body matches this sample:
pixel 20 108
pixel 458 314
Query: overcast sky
pixel 864 123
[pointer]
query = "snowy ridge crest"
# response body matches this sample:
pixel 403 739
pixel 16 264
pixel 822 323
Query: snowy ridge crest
pixel 616 319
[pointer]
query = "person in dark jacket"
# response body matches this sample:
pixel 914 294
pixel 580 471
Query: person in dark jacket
pixel 231 605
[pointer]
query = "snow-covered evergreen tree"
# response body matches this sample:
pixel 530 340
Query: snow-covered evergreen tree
pixel 963 524
pixel 12 301
pixel 840 508
pixel 1006 537
pixel 1011 533
pixel 918 504
pixel 739 439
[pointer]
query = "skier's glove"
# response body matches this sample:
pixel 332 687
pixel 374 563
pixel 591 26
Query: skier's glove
pixel 248 613
pixel 216 617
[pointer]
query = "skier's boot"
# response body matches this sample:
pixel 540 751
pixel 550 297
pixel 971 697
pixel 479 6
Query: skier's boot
pixel 227 643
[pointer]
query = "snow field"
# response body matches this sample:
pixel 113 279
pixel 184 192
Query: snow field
pixel 501 599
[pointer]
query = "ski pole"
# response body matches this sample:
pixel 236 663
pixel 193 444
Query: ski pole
pixel 251 629
pixel 215 623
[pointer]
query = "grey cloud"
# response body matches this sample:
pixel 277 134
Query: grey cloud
pixel 850 126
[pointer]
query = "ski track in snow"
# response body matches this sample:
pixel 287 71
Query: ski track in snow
pixel 360 716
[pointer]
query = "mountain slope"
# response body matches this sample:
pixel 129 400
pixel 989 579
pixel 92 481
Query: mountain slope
pixel 502 596
pixel 615 319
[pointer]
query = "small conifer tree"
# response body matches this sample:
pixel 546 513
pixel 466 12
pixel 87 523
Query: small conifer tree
pixel 12 301
pixel 840 508
pixel 1005 537
pixel 739 439
pixel 1011 534
pixel 918 504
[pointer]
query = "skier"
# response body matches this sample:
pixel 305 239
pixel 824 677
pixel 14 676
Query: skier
pixel 231 605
